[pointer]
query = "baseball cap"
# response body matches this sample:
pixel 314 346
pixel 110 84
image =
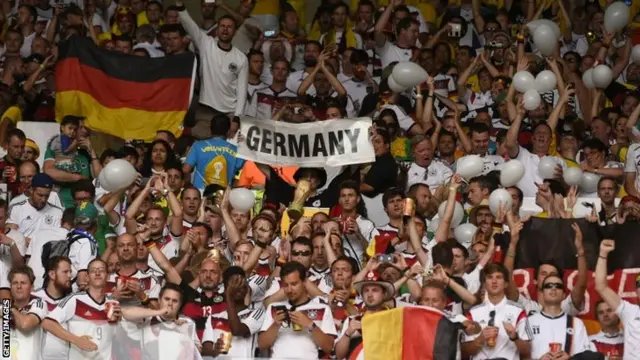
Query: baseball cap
pixel 86 212
pixel 213 208
pixel 42 180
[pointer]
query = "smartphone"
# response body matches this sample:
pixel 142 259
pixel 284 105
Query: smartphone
pixel 269 33
pixel 385 258
pixel 280 308
pixel 456 30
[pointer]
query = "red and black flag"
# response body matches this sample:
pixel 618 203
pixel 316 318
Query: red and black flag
pixel 127 96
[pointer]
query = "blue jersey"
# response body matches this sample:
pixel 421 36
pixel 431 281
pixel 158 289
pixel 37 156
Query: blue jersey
pixel 214 161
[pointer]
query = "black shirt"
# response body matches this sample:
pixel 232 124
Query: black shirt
pixel 382 175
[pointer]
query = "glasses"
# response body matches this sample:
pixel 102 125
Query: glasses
pixel 301 253
pixel 548 286
pixel 491 29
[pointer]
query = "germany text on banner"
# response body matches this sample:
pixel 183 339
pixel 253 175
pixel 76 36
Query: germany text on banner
pixel 123 95
pixel 323 143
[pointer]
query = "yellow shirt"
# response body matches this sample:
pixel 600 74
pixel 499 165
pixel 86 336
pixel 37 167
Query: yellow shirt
pixel 13 114
pixel 271 7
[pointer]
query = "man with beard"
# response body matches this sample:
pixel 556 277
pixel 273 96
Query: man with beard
pixel 156 218
pixel 242 321
pixel 35 213
pixel 58 286
pixel 68 321
pixel 312 51
pixel 26 171
pixel 421 195
pixel 268 101
pixel 374 292
pixel 202 296
pixel 480 146
pixel 224 68
pixel 446 148
pixel 608 190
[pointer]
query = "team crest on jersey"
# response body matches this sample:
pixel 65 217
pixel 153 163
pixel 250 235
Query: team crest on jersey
pixel 312 314
pixel 233 67
pixel 570 331
pixel 316 203
pixel 48 219
pixel 510 318
pixel 218 299
pixel 433 172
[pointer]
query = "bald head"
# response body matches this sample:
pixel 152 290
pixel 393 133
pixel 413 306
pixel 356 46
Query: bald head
pixel 127 248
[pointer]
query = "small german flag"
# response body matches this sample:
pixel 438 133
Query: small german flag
pixel 123 95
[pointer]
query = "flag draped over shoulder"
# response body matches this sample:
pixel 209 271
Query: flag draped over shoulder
pixel 123 95
pixel 409 333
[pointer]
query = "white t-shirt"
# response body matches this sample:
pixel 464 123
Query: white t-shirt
pixel 531 175
pixel 505 311
pixel 629 315
pixel 54 199
pixel 547 329
pixel 28 346
pixel 390 52
pixel 6 260
pixel 56 349
pixel 34 250
pixel 30 220
pixel 299 344
pixel 632 163
pixel 434 176
pixel 241 347
pixel 84 316
pixel 172 341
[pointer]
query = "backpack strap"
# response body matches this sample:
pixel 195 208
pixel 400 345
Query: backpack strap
pixel 568 340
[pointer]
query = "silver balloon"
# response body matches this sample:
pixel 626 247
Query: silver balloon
pixel 616 17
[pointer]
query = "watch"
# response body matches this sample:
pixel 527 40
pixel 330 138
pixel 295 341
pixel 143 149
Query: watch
pixel 165 192
pixel 514 338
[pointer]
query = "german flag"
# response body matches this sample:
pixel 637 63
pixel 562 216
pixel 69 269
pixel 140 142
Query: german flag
pixel 409 333
pixel 123 95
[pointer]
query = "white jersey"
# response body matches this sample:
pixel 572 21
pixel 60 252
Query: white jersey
pixel 298 344
pixel 531 306
pixel 547 329
pixel 629 315
pixel 169 244
pixel 6 260
pixel 30 220
pixel 608 344
pixel 149 283
pixel 251 90
pixel 632 162
pixel 504 311
pixel 34 250
pixel 258 285
pixel 266 102
pixel 84 316
pixel 390 52
pixel 434 176
pixel 241 347
pixel 224 74
pixel 56 349
pixel 357 91
pixel 174 342
pixel 27 346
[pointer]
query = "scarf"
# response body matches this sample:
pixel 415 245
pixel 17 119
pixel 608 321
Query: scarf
pixel 348 39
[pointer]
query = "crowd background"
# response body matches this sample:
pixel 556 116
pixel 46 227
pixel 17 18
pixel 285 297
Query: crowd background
pixel 475 186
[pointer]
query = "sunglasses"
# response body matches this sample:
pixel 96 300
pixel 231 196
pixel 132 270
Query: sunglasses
pixel 548 286
pixel 301 253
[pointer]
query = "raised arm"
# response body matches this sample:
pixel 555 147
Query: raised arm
pixel 602 287
pixel 175 224
pixel 577 294
pixel 132 211
pixel 511 142
pixel 136 313
pixel 444 228
pixel 171 273
pixel 197 35
pixel 379 36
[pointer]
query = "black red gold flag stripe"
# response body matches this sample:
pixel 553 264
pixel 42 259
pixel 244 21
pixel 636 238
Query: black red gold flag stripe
pixel 123 95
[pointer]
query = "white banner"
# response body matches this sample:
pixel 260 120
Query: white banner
pixel 317 144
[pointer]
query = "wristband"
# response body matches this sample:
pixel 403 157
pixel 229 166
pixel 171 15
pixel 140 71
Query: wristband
pixel 602 257
pixel 149 243
pixel 419 96
pixel 514 338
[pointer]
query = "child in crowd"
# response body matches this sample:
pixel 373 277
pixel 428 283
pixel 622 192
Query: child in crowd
pixel 65 145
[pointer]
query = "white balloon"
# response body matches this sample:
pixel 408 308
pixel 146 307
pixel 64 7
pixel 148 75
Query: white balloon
pixel 572 176
pixel 545 81
pixel 635 54
pixel 531 99
pixel 408 74
pixel 470 166
pixel 393 85
pixel 118 174
pixel 602 76
pixel 500 197
pixel 616 17
pixel 242 199
pixel 533 25
pixel 464 233
pixel 545 39
pixel 547 167
pixel 458 213
pixel 589 183
pixel 523 81
pixel 587 78
pixel 102 181
pixel 512 172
